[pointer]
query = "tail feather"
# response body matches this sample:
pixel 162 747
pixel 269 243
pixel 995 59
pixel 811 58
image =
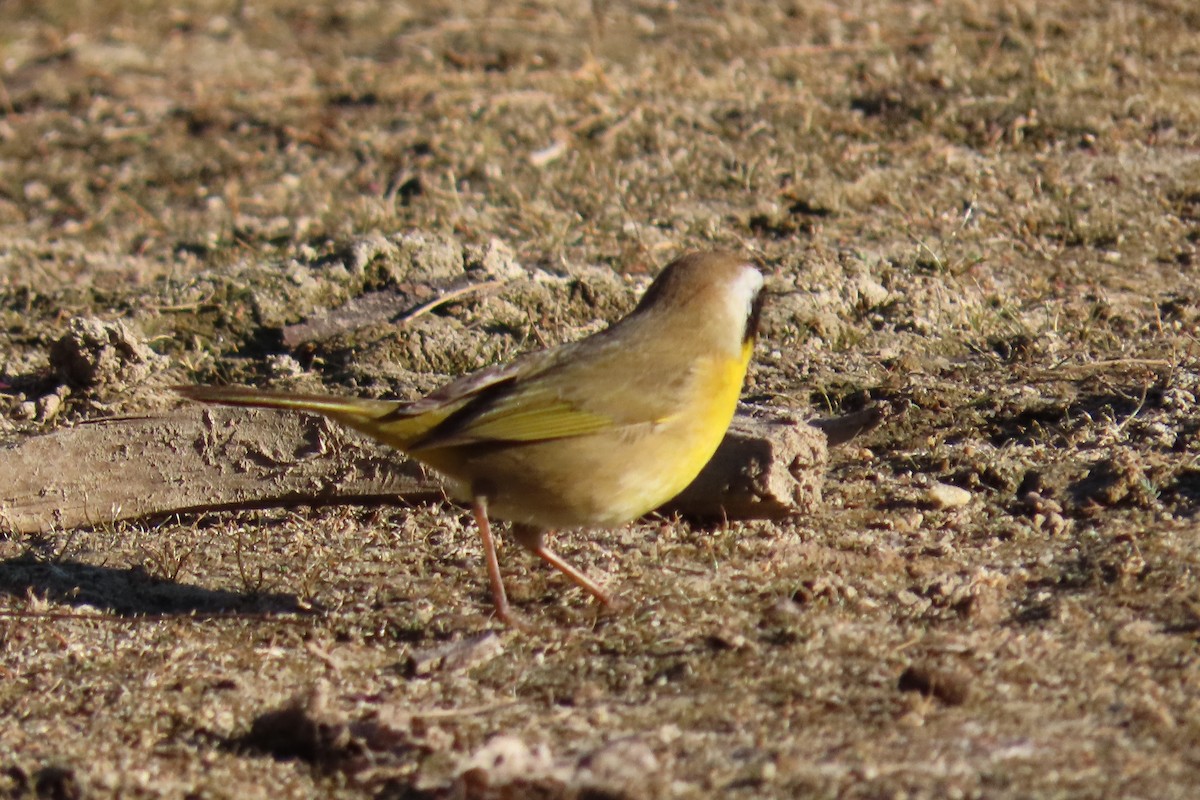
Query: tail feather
pixel 359 413
pixel 320 403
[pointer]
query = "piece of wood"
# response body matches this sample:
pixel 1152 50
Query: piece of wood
pixel 209 459
pixel 217 459
pixel 391 307
pixel 839 430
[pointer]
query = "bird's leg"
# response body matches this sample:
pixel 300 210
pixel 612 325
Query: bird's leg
pixel 531 539
pixel 499 598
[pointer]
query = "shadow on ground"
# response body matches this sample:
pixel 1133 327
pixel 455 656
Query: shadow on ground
pixel 129 591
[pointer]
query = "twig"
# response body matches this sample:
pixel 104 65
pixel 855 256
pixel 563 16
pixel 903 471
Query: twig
pixel 450 296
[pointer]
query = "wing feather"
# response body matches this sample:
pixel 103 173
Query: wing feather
pixel 550 394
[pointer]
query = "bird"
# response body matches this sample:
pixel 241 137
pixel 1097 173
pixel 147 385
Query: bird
pixel 587 434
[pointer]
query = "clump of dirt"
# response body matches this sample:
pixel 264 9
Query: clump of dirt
pixel 386 749
pixel 96 355
pixel 401 337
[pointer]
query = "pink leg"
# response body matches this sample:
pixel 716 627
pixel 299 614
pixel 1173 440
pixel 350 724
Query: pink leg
pixel 499 598
pixel 531 539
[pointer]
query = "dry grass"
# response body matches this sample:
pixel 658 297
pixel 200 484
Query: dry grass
pixel 984 213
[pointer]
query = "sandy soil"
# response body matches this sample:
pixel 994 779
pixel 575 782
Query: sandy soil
pixel 983 214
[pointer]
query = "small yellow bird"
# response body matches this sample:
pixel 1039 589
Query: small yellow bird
pixel 589 434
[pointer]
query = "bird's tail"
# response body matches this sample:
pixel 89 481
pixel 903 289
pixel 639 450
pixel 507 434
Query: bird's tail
pixel 376 418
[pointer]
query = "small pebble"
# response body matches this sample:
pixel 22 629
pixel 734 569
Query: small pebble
pixel 943 495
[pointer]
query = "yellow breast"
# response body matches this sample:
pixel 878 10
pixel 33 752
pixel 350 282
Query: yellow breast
pixel 707 417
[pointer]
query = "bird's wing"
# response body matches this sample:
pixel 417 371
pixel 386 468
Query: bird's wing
pixel 514 416
pixel 513 402
pixel 459 391
pixel 540 396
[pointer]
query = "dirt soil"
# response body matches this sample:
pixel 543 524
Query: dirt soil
pixel 983 214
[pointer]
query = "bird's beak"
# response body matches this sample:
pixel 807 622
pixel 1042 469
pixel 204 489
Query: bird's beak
pixel 752 320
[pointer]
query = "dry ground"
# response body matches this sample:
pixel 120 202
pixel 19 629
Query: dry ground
pixel 985 214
